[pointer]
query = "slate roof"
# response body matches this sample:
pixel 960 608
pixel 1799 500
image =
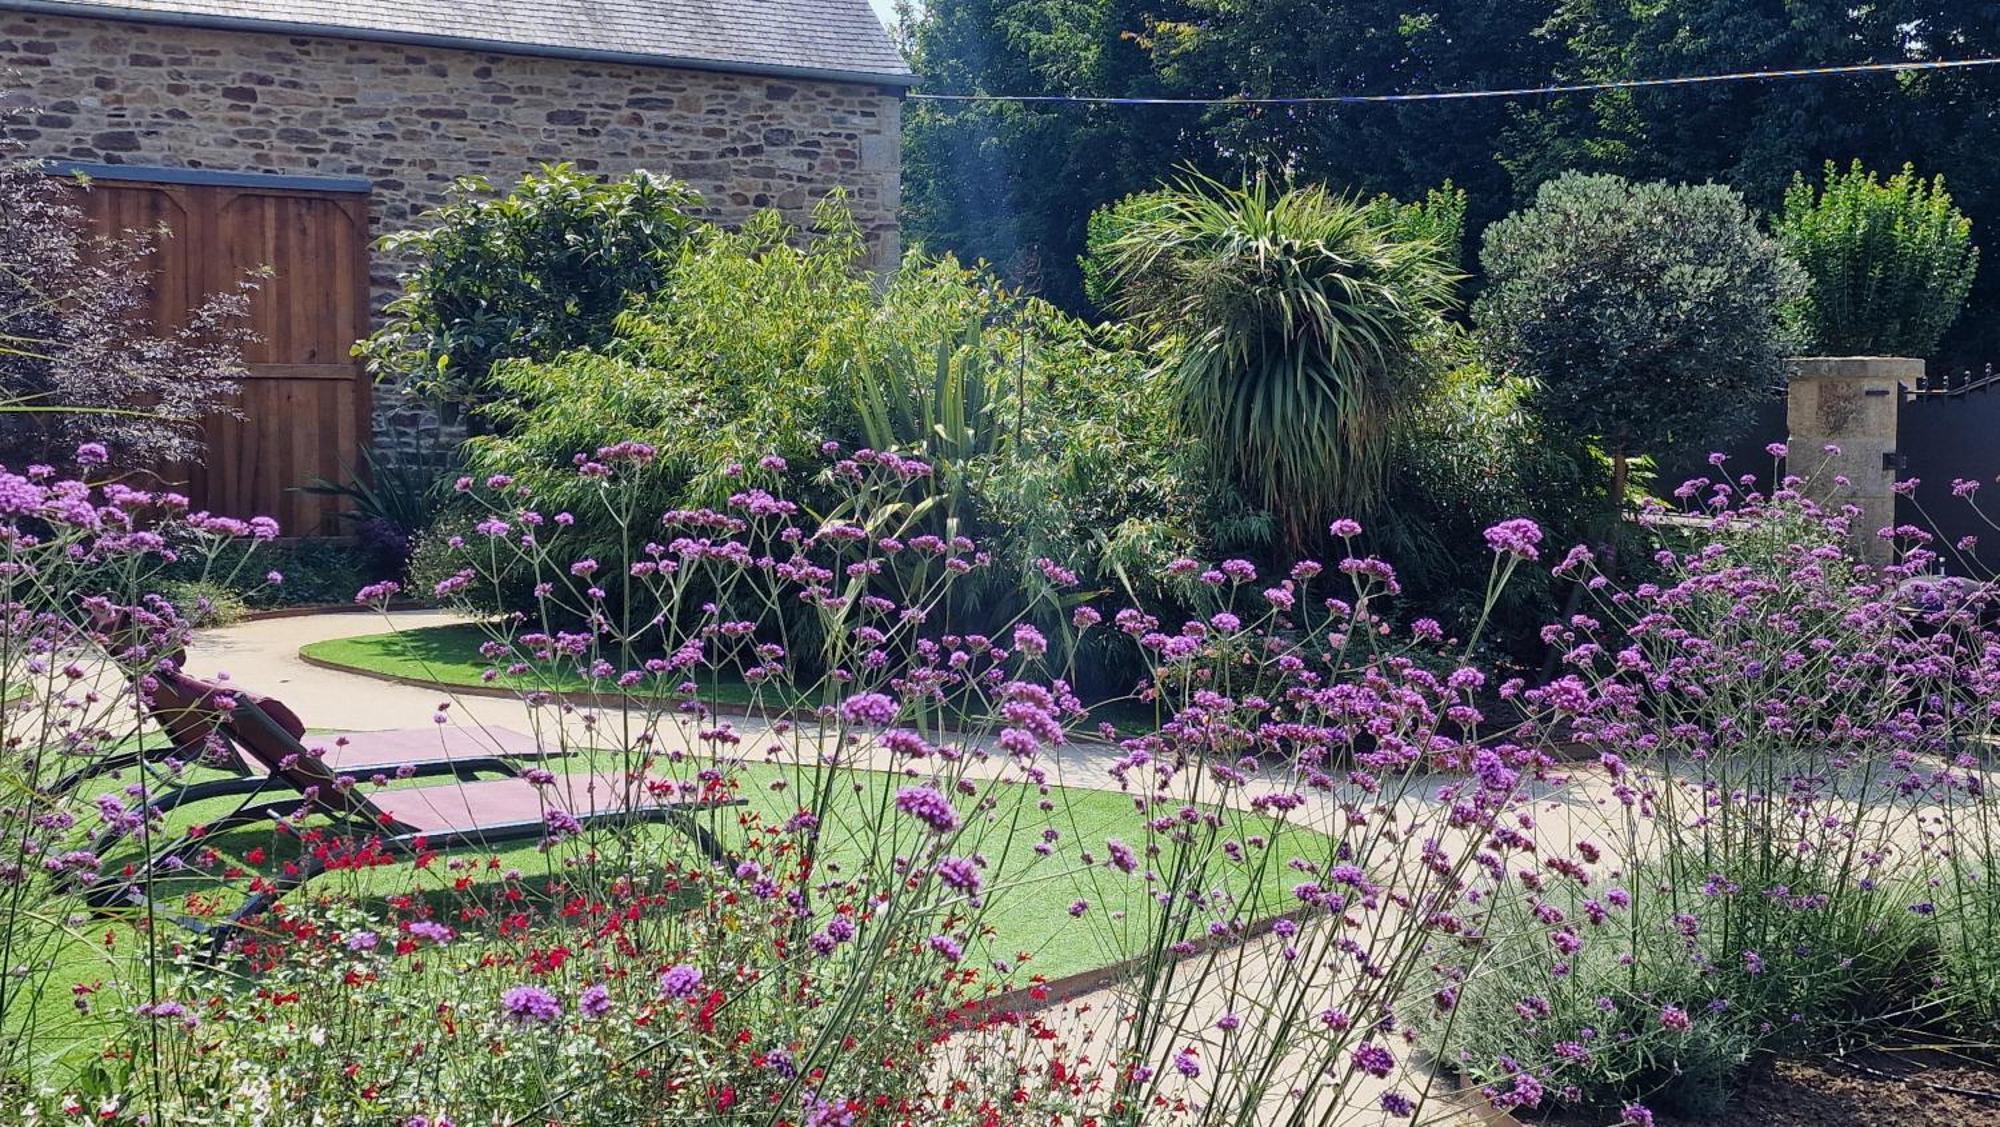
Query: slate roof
pixel 839 39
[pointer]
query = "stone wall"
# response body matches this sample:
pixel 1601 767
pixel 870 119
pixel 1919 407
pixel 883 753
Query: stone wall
pixel 412 119
pixel 1841 413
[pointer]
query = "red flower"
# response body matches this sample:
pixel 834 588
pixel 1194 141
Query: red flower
pixel 705 1020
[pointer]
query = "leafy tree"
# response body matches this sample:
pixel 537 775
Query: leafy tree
pixel 1107 226
pixel 1437 219
pixel 1890 262
pixel 1754 136
pixel 1649 314
pixel 1011 183
pixel 527 275
pixel 740 360
pixel 78 360
pixel 1280 48
pixel 1014 183
pixel 1289 323
pixel 1047 438
pixel 1472 454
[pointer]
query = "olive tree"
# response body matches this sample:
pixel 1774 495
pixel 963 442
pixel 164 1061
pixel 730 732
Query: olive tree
pixel 1649 315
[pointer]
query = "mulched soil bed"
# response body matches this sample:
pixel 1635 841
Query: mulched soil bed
pixel 1903 1089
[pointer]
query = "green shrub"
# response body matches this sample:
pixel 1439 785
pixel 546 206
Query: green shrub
pixel 530 274
pixel 238 576
pixel 742 361
pixel 1758 974
pixel 1471 454
pixel 1891 261
pixel 1466 452
pixel 1649 315
pixel 391 504
pixel 1437 219
pixel 1106 226
pixel 1048 439
pixel 1968 906
pixel 206 602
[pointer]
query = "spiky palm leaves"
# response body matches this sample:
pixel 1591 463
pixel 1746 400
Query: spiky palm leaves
pixel 1287 322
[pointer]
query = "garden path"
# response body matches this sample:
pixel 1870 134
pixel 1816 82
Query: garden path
pixel 262 655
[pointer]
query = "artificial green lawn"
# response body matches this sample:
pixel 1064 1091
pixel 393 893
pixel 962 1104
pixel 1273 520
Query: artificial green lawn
pixel 449 656
pixel 1031 894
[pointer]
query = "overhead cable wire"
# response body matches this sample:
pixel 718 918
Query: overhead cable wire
pixel 1469 95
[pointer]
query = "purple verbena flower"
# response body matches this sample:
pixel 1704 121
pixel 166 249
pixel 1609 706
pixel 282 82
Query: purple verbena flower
pixel 1518 537
pixel 530 1005
pixel 680 981
pixel 929 807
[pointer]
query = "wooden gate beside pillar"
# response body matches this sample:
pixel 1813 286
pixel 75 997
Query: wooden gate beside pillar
pixel 305 406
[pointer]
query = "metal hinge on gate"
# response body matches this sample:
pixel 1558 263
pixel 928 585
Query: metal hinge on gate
pixel 1894 461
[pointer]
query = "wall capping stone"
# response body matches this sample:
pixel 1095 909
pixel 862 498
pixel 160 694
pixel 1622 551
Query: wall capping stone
pixel 208 177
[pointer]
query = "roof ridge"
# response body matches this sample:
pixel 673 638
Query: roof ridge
pixel 829 40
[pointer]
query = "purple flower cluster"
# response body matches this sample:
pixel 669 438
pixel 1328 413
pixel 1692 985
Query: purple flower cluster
pixel 530 1005
pixel 1518 537
pixel 926 805
pixel 872 709
pixel 960 874
pixel 680 981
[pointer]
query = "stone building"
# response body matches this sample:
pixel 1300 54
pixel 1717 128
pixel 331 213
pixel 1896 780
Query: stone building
pixel 290 134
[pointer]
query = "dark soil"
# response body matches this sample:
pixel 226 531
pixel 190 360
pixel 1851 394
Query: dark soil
pixel 1893 1089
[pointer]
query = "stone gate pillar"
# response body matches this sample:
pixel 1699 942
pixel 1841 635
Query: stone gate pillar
pixel 1850 402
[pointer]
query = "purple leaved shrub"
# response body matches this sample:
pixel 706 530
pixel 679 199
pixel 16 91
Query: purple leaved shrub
pixel 80 351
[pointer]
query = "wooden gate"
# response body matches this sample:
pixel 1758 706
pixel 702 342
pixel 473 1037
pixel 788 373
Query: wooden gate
pixel 305 407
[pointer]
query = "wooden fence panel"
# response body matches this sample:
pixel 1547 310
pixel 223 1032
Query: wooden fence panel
pixel 305 407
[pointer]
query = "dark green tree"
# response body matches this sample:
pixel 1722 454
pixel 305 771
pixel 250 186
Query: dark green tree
pixel 1279 48
pixel 529 274
pixel 1755 136
pixel 1015 184
pixel 1648 314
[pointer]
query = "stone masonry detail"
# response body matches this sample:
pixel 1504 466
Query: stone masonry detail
pixel 412 119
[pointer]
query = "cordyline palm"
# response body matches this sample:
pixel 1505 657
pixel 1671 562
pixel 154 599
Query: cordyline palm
pixel 1287 320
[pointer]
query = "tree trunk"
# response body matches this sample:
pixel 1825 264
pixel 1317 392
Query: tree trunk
pixel 1621 476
